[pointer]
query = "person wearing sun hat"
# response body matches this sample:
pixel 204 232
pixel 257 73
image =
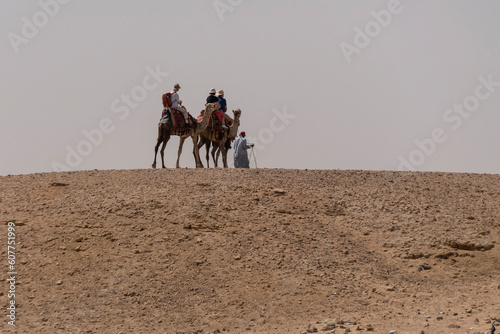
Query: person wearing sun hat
pixel 222 101
pixel 220 115
pixel 212 98
pixel 240 151
pixel 223 106
pixel 177 103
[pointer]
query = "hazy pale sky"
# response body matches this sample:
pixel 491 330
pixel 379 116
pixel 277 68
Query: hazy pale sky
pixel 378 85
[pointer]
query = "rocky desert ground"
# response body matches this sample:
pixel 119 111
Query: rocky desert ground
pixel 251 251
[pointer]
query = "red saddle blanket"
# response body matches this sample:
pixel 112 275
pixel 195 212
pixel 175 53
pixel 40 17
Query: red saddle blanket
pixel 213 123
pixel 178 119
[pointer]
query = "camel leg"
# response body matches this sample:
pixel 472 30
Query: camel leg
pixel 223 150
pixel 181 143
pixel 207 155
pixel 215 156
pixel 224 156
pixel 162 152
pixel 202 142
pixel 156 152
pixel 196 152
pixel 218 154
pixel 158 143
pixel 166 138
pixel 227 147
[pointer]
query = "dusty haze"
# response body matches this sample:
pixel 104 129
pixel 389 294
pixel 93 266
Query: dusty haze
pixel 365 111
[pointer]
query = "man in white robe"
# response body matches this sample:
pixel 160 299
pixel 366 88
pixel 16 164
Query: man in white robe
pixel 240 151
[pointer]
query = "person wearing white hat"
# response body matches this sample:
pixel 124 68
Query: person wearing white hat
pixel 222 101
pixel 177 103
pixel 223 106
pixel 212 98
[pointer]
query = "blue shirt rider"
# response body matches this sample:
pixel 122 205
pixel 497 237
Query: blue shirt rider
pixel 222 101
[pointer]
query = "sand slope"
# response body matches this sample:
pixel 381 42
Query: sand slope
pixel 252 251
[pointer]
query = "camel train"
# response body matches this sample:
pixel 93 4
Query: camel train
pixel 205 130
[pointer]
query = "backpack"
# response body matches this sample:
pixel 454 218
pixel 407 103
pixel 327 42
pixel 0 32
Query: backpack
pixel 167 100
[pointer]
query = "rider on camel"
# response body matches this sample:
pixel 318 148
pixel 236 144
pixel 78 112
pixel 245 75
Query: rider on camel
pixel 220 115
pixel 177 103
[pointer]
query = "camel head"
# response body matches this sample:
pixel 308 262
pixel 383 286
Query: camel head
pixel 211 107
pixel 207 113
pixel 237 114
pixel 233 130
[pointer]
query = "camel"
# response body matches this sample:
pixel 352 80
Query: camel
pixel 209 136
pixel 167 130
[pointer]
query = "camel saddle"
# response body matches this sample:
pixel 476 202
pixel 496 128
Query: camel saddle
pixel 213 124
pixel 177 118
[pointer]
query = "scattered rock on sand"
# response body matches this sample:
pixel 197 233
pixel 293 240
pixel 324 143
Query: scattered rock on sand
pixel 279 191
pixel 424 266
pixel 312 329
pixel 330 326
pixel 58 184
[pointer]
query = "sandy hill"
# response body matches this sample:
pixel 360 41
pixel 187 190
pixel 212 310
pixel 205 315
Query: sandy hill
pixel 252 251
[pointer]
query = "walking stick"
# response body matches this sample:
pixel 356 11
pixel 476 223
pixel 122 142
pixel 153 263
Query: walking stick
pixel 255 160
